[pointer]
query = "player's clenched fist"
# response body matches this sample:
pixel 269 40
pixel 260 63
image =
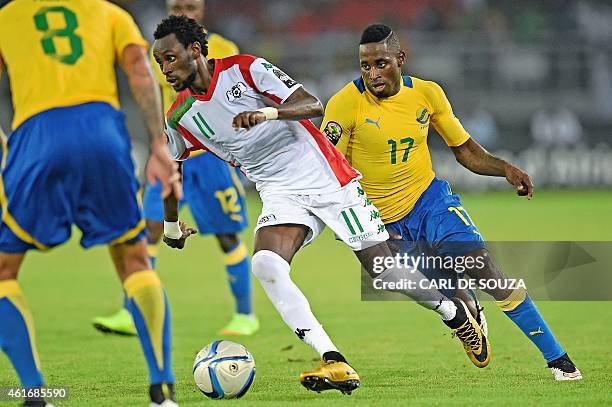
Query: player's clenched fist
pixel 520 179
pixel 176 238
pixel 247 120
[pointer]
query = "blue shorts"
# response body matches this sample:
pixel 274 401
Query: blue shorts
pixel 214 192
pixel 438 225
pixel 65 166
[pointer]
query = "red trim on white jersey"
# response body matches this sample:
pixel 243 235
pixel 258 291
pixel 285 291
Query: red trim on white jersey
pixel 244 62
pixel 197 144
pixel 185 154
pixel 188 151
pixel 341 168
pixel 190 137
pixel 273 97
pixel 213 82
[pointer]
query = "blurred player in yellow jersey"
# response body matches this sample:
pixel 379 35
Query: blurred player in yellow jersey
pixel 380 122
pixel 216 201
pixel 67 162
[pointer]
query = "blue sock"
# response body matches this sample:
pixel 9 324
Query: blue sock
pixel 148 305
pixel 238 270
pixel 153 249
pixel 17 334
pixel 523 312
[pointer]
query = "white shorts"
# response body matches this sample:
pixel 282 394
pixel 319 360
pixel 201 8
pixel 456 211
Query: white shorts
pixel 347 211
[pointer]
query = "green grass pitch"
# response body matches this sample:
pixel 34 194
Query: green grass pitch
pixel 403 353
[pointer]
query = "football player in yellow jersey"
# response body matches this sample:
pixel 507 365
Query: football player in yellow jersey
pixel 217 203
pixel 380 121
pixel 68 161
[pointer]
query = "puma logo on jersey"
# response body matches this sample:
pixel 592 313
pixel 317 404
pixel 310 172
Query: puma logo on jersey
pixel 539 331
pixel 236 91
pixel 375 123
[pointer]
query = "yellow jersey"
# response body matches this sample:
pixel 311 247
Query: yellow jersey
pixel 62 52
pixel 386 139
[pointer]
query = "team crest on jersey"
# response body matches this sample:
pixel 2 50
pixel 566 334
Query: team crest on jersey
pixel 236 91
pixel 333 131
pixel 423 115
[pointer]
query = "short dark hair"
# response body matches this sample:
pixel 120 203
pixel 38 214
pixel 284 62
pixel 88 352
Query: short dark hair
pixel 380 33
pixel 187 31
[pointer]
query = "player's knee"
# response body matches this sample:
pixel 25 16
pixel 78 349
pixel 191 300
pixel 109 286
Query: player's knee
pixel 483 266
pixel 130 258
pixel 227 241
pixel 136 259
pixel 9 265
pixel 269 267
pixel 486 272
pixel 154 231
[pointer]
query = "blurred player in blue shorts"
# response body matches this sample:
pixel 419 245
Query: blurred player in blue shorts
pixel 68 162
pixel 380 121
pixel 215 196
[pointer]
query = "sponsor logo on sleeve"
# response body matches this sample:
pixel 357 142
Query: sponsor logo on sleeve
pixel 333 131
pixel 423 115
pixel 286 79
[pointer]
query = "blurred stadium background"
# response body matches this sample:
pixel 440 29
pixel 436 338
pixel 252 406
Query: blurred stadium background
pixel 531 80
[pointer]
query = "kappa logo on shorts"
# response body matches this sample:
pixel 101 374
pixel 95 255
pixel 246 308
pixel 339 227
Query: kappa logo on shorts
pixel 236 91
pixel 266 219
pixel 333 131
pixel 361 238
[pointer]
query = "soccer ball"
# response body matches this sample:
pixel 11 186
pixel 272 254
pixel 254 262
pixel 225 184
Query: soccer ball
pixel 224 370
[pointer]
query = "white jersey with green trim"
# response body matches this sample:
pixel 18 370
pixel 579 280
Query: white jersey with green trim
pixel 280 156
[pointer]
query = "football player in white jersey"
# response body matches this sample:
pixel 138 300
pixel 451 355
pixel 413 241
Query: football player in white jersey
pixel 224 106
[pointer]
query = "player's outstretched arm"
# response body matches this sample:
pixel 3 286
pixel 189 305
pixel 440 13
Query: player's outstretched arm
pixel 144 88
pixel 175 231
pixel 478 160
pixel 300 105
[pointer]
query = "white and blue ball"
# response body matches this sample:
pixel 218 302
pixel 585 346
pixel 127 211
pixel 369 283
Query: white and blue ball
pixel 224 370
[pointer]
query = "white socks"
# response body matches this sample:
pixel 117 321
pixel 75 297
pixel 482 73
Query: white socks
pixel 431 298
pixel 272 271
pixel 447 310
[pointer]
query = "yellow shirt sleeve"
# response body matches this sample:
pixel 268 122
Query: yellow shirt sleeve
pixel 444 120
pixel 220 47
pixel 339 120
pixel 125 31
